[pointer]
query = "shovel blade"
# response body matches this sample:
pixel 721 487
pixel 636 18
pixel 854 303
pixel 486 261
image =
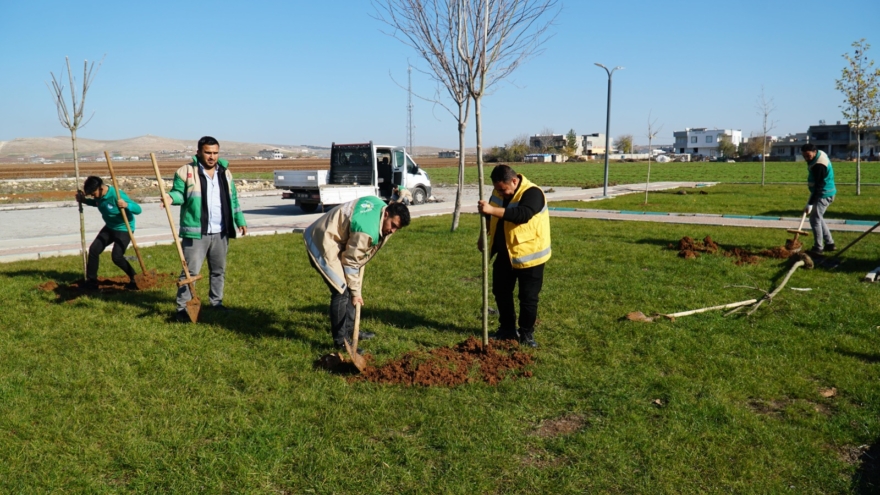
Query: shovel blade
pixel 193 307
pixel 359 362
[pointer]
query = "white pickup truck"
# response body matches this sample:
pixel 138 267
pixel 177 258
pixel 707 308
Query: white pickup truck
pixel 356 170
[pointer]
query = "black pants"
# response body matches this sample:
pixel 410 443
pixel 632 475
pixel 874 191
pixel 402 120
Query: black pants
pixel 120 242
pixel 341 311
pixel 504 279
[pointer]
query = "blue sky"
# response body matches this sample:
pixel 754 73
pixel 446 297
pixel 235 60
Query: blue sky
pixel 295 72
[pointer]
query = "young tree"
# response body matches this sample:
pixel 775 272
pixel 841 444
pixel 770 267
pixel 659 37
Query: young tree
pixel 625 143
pixel 726 148
pixel 495 37
pixel 861 97
pixel 431 28
pixel 71 117
pixel 571 143
pixel 653 130
pixel 765 108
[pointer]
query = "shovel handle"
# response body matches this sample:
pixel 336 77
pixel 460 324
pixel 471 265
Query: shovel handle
pixel 134 244
pixel 171 220
pixel 803 217
pixel 357 325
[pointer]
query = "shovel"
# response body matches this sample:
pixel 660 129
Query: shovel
pixel 194 305
pixel 142 280
pixel 359 362
pixel 832 262
pixel 797 233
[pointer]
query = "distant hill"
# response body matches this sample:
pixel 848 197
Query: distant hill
pixel 59 148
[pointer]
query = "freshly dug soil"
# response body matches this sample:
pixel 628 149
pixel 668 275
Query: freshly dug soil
pixel 466 362
pixel 688 248
pixel 69 292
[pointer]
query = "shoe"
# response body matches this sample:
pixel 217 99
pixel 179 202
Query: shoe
pixel 527 339
pixel 830 247
pixel 365 336
pixel 131 285
pixel 815 251
pixel 219 307
pixel 182 316
pixel 504 335
pixel 89 285
pixel 341 348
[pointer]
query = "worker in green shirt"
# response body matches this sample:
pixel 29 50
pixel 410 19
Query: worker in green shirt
pixel 110 203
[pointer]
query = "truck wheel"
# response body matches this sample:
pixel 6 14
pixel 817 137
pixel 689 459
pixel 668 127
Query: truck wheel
pixel 419 196
pixel 308 207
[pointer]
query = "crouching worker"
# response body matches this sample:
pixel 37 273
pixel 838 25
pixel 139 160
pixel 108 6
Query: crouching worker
pixel 340 243
pixel 110 203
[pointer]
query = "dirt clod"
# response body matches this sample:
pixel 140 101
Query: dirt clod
pixel 466 362
pixel 688 248
pixel 73 290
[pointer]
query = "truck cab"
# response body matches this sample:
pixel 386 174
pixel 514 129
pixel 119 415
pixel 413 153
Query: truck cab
pixel 356 170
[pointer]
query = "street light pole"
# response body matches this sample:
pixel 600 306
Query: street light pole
pixel 607 126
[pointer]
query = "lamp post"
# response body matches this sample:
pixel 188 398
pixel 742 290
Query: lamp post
pixel 607 126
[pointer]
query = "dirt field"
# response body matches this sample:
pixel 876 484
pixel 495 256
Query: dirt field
pixel 145 168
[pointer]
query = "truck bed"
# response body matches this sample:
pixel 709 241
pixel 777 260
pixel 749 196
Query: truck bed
pixel 300 179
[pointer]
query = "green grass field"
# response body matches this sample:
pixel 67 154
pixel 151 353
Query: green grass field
pixel 592 174
pixel 107 395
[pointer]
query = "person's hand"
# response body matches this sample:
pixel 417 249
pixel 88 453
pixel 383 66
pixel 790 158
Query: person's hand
pixel 357 300
pixel 484 207
pixel 808 209
pixel 80 197
pixel 121 204
pixel 167 198
pixel 243 229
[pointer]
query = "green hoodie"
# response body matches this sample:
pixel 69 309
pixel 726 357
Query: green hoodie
pixel 111 213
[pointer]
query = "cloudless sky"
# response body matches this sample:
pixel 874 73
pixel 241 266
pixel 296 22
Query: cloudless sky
pixel 297 72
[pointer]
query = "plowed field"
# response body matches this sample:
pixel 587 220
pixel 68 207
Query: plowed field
pixel 145 168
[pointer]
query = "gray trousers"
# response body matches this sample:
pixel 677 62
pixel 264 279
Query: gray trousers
pixel 821 234
pixel 214 248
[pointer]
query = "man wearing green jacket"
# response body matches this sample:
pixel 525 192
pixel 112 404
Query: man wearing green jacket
pixel 820 181
pixel 209 216
pixel 110 204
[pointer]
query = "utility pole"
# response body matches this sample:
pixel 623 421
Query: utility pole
pixel 409 108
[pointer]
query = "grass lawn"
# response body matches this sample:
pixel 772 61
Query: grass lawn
pixel 770 200
pixel 105 394
pixel 592 174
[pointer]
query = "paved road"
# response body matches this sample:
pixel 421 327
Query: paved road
pixel 34 231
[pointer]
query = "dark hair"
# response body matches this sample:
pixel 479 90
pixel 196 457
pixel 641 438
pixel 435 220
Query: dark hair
pixel 399 210
pixel 208 141
pixel 92 184
pixel 808 147
pixel 502 173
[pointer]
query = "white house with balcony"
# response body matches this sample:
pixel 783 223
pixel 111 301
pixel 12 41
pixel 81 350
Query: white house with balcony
pixel 704 141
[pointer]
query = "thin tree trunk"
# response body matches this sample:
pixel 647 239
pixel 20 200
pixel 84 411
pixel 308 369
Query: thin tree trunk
pixel 462 126
pixel 858 162
pixel 483 237
pixel 763 158
pixel 648 179
pixel 82 218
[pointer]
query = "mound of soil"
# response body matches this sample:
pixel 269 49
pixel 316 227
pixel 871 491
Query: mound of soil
pixel 689 249
pixel 466 362
pixel 69 292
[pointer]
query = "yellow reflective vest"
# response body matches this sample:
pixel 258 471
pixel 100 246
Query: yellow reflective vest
pixel 528 244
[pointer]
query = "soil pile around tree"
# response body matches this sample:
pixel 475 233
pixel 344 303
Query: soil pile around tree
pixel 688 248
pixel 69 292
pixel 466 362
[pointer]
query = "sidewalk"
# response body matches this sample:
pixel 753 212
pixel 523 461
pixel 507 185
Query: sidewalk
pixel 34 231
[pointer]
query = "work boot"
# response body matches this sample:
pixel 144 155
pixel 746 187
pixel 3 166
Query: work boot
pixel 815 251
pixel 830 247
pixel 90 284
pixel 504 335
pixel 527 338
pixel 131 285
pixel 341 348
pixel 364 336
pixel 182 316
